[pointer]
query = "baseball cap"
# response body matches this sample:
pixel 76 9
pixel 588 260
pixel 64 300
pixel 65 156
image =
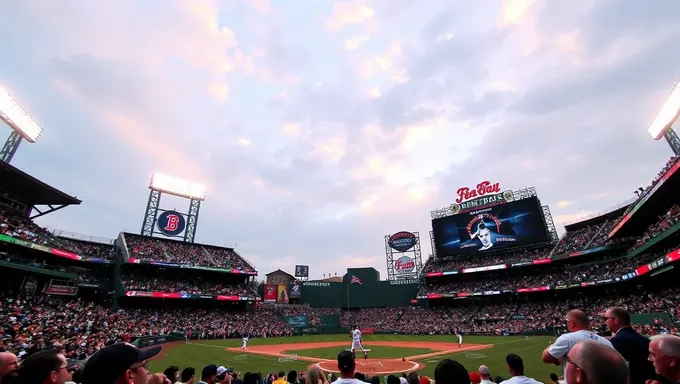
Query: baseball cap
pixel 475 378
pixel 111 362
pixel 345 361
pixel 483 370
pixel 221 370
pixel 209 370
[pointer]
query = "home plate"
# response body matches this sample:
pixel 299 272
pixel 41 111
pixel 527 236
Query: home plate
pixel 365 350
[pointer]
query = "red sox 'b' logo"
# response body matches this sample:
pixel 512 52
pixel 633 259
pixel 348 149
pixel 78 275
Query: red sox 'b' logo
pixel 173 223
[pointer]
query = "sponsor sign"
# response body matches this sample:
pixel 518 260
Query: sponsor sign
pixel 483 195
pixel 487 268
pixel 542 261
pixel 297 321
pixel 367 331
pixel 404 265
pixel 171 223
pixel 534 289
pixel 403 281
pixel 227 298
pixel 316 284
pixel 282 294
pixel 138 294
pixel 61 290
pixel 402 241
pixel 269 293
pixel 435 274
pixel 295 290
pixel 414 301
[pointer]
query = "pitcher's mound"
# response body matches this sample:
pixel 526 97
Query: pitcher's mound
pixel 374 366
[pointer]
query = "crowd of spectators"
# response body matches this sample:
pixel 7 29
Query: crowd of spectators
pixel 23 228
pixel 576 240
pixel 147 248
pixel 184 284
pixel 81 328
pixel 596 270
pixel 664 222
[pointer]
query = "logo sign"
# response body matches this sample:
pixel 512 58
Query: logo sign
pixel 402 241
pixel 404 265
pixel 484 201
pixel 483 188
pixel 171 223
pixel 302 271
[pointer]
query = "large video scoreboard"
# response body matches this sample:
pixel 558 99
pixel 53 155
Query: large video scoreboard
pixel 500 226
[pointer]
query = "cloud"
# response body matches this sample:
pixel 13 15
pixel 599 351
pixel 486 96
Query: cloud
pixel 348 13
pixel 314 139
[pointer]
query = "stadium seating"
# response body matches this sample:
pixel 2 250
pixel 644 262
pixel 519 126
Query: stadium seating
pixel 195 285
pixel 147 248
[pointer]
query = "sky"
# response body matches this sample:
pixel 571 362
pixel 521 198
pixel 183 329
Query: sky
pixel 320 126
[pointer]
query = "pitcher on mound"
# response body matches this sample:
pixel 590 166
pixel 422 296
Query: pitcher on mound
pixel 356 342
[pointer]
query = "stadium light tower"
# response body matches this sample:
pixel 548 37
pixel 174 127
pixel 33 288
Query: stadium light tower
pixel 23 126
pixel 661 126
pixel 171 223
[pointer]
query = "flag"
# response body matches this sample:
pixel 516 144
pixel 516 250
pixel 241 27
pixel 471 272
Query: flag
pixel 355 280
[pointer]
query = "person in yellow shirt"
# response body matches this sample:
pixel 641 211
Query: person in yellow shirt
pixel 281 378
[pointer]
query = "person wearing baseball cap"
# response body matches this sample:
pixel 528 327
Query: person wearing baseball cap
pixel 346 366
pixel 121 363
pixel 485 375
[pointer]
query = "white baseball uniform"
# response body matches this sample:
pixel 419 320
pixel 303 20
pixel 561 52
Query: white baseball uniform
pixel 245 343
pixel 460 339
pixel 356 341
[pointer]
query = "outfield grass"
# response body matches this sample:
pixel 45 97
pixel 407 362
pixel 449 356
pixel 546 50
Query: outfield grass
pixel 200 353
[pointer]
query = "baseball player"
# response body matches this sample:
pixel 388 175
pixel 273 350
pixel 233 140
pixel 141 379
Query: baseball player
pixel 245 342
pixel 460 339
pixel 356 342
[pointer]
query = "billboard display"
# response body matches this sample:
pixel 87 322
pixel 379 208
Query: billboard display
pixel 294 290
pixel 282 294
pixel 270 293
pixel 302 271
pixel 507 225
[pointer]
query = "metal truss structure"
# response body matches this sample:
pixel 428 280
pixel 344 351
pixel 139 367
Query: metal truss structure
pixel 414 253
pixel 673 140
pixel 151 216
pixel 10 147
pixel 550 225
pixel 432 244
pixel 517 195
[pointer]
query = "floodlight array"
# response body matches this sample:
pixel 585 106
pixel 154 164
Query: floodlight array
pixel 176 186
pixel 14 115
pixel 667 116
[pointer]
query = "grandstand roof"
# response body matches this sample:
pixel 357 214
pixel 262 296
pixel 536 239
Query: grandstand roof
pixel 278 271
pixel 26 189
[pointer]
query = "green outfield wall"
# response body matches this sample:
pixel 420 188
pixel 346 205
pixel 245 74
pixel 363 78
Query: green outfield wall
pixel 361 288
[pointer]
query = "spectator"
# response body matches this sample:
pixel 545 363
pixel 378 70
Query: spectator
pixel 592 362
pixel 555 380
pixel 630 344
pixel 121 362
pixel 516 370
pixel 188 376
pixel 484 374
pixel 475 378
pixel 44 367
pixel 223 376
pixel 413 378
pixel 579 330
pixel 315 376
pixel 392 379
pixel 172 373
pixel 8 363
pixel 664 353
pixel 347 366
pixel 281 378
pixel 292 377
pixel 451 372
pixel 208 375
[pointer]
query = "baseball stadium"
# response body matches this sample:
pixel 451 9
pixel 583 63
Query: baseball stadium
pixel 505 294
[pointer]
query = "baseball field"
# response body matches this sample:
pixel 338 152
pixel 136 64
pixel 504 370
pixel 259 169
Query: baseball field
pixel 388 354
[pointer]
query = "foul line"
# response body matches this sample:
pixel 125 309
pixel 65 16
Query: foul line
pixel 477 347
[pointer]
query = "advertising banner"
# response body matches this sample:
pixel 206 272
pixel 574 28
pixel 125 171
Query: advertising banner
pixel 502 226
pixel 297 321
pixel 402 241
pixel 282 294
pixel 367 331
pixel 54 251
pixel 485 194
pixel 270 293
pixel 60 290
pixel 191 266
pixel 302 271
pixel 294 290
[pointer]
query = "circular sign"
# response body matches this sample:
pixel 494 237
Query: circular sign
pixel 402 241
pixel 404 265
pixel 171 223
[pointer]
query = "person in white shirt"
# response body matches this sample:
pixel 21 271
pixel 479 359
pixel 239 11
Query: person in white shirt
pixel 356 342
pixel 579 330
pixel 460 339
pixel 347 366
pixel 485 375
pixel 245 342
pixel 516 369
